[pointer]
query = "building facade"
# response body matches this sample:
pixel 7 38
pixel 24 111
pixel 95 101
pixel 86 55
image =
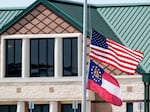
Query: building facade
pixel 41 62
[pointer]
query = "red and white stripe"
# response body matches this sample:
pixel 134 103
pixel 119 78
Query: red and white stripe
pixel 117 55
pixel 109 90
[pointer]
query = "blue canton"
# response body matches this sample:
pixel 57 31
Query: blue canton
pixel 95 73
pixel 98 39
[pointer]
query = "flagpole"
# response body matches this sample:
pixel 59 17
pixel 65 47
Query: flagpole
pixel 84 57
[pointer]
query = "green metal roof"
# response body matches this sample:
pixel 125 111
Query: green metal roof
pixel 94 19
pixel 6 15
pixel 126 25
pixel 132 25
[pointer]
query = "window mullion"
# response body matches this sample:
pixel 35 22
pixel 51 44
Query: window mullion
pixel 38 56
pixel 6 53
pixel 14 44
pixel 71 56
pixel 47 55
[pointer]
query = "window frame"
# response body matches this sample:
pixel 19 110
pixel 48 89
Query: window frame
pixel 68 104
pixel 36 36
pixel 71 53
pixel 39 56
pixel 129 106
pixel 10 107
pixel 41 106
pixel 14 57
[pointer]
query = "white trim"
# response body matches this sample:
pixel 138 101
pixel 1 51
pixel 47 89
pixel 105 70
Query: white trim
pixel 64 35
pixel 25 57
pixel 53 106
pixel 2 58
pixel 41 80
pixel 20 106
pixel 129 77
pixel 58 58
pixel 80 55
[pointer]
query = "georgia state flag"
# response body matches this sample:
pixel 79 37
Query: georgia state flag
pixel 104 84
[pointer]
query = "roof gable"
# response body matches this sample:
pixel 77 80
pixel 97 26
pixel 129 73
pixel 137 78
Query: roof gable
pixel 41 20
pixel 47 4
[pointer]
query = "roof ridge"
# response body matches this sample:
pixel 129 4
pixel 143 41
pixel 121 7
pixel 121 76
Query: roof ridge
pixel 12 8
pixel 105 4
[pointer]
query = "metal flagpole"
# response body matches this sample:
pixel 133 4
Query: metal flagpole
pixel 84 57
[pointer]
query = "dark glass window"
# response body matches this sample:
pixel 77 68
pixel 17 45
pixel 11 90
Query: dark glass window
pixel 41 108
pixel 8 108
pixel 13 58
pixel 68 108
pixel 129 107
pixel 42 57
pixel 70 57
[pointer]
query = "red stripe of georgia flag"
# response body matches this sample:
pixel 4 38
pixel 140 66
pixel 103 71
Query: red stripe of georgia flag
pixel 104 84
pixel 114 54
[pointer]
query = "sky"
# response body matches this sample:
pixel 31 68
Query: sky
pixel 15 3
pixel 25 3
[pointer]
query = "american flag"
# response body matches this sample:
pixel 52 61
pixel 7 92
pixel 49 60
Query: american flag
pixel 114 54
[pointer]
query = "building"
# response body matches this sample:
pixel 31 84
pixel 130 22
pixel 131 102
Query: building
pixel 41 55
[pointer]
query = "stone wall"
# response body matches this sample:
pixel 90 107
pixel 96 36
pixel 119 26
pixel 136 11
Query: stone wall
pixel 42 89
pixel 132 89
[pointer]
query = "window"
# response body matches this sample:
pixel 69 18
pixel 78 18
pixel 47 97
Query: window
pixel 70 54
pixel 13 58
pixel 38 55
pixel 129 107
pixel 68 108
pixel 41 108
pixel 42 57
pixel 8 108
